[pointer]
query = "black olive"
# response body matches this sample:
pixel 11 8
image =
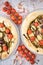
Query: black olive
pixel 1 41
pixel 42 26
pixel 37 50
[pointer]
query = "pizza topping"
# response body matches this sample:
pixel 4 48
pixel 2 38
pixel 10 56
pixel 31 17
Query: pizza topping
pixel 10 36
pixel 36 24
pixel 1 25
pixel 41 42
pixel 7 31
pixel 29 31
pixel 5 48
pixel 42 31
pixel 32 38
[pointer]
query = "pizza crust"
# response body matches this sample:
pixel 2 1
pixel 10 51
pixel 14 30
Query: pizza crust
pixel 24 28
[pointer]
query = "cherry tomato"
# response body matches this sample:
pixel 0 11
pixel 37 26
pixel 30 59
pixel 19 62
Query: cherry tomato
pixel 27 58
pixel 7 31
pixel 8 12
pixel 15 21
pixel 19 48
pixel 41 42
pixel 13 17
pixel 29 31
pixel 7 3
pixel 32 61
pixel 4 9
pixel 33 56
pixel 29 53
pixel 20 17
pixel 13 11
pixel 16 14
pixel 21 53
pixel 10 36
pixel 23 47
pixel 9 8
pixel 26 51
pixel 5 48
pixel 41 30
pixel 32 38
pixel 24 55
pixel 1 25
pixel 19 21
pixel 36 24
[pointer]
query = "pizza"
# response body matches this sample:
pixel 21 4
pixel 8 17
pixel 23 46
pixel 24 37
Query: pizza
pixel 32 31
pixel 8 37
